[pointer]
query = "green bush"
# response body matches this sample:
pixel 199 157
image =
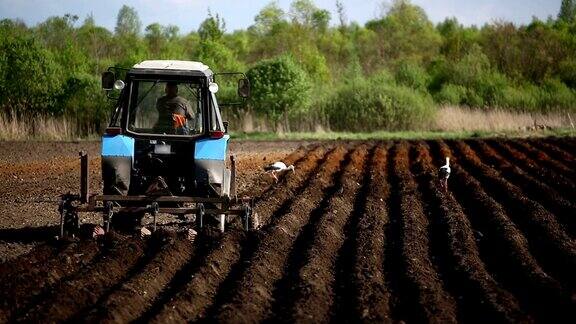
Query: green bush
pixel 83 99
pixel 314 63
pixel 473 99
pixel 556 96
pixel 413 76
pixel 381 77
pixel 451 94
pixel 567 72
pixel 217 56
pixel 279 87
pixel 484 85
pixel 30 77
pixel 362 105
pixel 518 98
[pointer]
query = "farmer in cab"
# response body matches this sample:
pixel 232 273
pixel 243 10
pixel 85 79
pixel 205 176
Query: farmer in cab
pixel 173 111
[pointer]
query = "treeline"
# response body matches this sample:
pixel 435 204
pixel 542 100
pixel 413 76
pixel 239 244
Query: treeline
pixel 304 64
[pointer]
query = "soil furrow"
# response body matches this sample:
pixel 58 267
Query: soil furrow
pixel 555 180
pixel 15 267
pixel 32 282
pixel 87 286
pixel 553 246
pixel 503 247
pixel 369 292
pixel 194 286
pixel 568 144
pixel 135 296
pixel 360 232
pixel 223 254
pixel 550 199
pixel 252 297
pixel 543 158
pixel 227 257
pixel 310 295
pixel 345 307
pixel 294 158
pixel 555 152
pixel 284 191
pixel 479 296
pixel 431 302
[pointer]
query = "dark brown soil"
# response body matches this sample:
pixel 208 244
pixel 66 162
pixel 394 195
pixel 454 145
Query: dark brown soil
pixel 360 232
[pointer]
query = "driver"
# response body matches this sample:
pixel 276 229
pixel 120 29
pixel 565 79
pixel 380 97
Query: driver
pixel 173 111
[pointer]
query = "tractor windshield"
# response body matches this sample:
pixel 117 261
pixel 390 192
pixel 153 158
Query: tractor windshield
pixel 165 108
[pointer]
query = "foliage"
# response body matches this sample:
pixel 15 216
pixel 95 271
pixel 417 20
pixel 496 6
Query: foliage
pixel 451 94
pixel 268 18
pixel 567 11
pixel 279 87
pixel 406 33
pixel 212 29
pixel 413 76
pixel 30 79
pixel 127 22
pixel 389 73
pixel 362 105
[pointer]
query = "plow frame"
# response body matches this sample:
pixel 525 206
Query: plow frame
pixel 71 205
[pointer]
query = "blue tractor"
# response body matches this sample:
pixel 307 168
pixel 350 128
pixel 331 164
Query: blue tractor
pixel 164 151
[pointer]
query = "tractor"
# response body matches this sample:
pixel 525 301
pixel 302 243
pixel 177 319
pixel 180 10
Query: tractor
pixel 165 150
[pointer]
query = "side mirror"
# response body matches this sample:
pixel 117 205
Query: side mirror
pixel 108 79
pixel 226 126
pixel 244 88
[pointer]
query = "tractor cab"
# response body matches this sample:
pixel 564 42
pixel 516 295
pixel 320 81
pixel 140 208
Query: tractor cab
pixel 166 147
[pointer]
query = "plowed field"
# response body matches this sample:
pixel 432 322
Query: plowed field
pixel 361 232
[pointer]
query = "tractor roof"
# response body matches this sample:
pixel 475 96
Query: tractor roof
pixel 171 67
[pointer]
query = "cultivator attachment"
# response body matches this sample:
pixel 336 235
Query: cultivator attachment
pixel 188 208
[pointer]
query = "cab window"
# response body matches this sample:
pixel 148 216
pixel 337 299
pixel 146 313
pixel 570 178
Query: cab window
pixel 165 107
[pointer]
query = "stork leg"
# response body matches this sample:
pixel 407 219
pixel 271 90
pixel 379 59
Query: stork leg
pixel 274 175
pixel 441 185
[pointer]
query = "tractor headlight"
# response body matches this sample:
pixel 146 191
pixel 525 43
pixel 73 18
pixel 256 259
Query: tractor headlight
pixel 119 85
pixel 213 87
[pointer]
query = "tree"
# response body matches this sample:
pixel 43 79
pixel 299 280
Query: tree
pixel 406 33
pixel 456 39
pixel 269 17
pixel 30 79
pixel 341 14
pixel 127 22
pixel 155 38
pixel 321 19
pixel 97 43
pixel 217 56
pixel 305 13
pixel 302 12
pixel 212 28
pixel 567 11
pixel 279 87
pixel 57 32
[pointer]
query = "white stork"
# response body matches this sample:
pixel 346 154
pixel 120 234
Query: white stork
pixel 276 167
pixel 444 174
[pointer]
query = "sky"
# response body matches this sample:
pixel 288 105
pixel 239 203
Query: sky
pixel 188 14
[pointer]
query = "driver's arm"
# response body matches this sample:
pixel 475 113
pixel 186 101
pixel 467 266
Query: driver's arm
pixel 187 109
